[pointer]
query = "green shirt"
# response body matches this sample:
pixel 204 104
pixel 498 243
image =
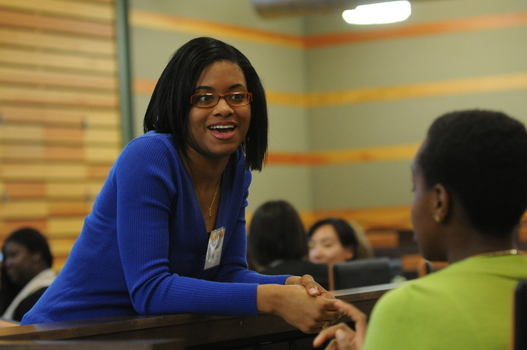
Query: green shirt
pixel 467 305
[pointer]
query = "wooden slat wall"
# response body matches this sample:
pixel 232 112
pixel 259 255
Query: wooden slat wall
pixel 59 114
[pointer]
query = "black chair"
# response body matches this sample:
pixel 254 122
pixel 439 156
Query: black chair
pixel 520 316
pixel 425 267
pixel 360 273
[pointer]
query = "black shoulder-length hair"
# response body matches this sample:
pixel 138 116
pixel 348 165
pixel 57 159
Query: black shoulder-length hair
pixel 169 107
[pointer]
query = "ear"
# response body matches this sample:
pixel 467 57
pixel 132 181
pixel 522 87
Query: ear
pixel 442 202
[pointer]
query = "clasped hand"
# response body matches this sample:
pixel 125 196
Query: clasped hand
pixel 343 337
pixel 311 311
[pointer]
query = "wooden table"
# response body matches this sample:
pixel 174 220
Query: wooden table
pixel 185 331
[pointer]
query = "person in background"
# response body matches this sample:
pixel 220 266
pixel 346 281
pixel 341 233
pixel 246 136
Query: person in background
pixel 277 243
pixel 470 193
pixel 364 248
pixel 167 232
pixel 332 241
pixel 26 272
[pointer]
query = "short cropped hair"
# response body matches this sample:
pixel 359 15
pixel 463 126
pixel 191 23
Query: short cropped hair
pixel 481 158
pixel 345 232
pixel 169 107
pixel 276 232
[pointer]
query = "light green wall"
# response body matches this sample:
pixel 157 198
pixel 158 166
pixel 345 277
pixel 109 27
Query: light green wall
pixel 417 59
pixel 410 60
pixel 390 62
pixel 423 11
pixel 234 12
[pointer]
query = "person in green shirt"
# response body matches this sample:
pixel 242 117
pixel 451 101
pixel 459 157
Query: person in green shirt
pixel 470 193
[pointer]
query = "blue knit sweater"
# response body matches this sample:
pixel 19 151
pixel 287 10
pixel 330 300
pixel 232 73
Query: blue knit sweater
pixel 142 248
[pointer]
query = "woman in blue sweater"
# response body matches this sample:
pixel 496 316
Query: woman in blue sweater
pixel 167 231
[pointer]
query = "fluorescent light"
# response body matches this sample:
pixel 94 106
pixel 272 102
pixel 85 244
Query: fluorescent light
pixel 384 12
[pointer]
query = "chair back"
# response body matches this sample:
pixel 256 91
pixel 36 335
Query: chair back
pixel 425 267
pixel 360 273
pixel 520 316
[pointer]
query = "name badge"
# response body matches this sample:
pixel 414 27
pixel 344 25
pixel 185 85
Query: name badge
pixel 214 249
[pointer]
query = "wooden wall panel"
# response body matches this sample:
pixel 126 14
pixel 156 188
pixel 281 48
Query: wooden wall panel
pixel 44 172
pixel 36 20
pixel 10 132
pixel 18 152
pixel 79 9
pixel 59 114
pixel 38 95
pixel 72 116
pixel 51 78
pixel 55 60
pixel 56 41
pixel 65 153
pixel 12 209
pixel 7 226
pixel 64 227
pixel 24 190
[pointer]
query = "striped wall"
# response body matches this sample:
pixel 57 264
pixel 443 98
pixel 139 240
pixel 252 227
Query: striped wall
pixel 59 114
pixel 349 106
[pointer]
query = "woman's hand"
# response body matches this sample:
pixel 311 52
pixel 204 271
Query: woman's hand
pixel 344 337
pixel 313 288
pixel 298 308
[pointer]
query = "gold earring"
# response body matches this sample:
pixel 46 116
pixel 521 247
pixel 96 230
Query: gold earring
pixel 437 219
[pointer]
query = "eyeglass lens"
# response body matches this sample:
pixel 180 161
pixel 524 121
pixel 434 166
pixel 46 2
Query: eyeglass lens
pixel 212 99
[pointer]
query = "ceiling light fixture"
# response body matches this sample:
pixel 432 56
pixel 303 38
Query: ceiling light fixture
pixel 379 13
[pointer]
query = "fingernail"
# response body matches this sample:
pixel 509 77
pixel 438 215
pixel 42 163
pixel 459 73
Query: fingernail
pixel 314 289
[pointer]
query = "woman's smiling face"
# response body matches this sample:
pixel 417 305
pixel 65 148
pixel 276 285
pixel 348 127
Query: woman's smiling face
pixel 325 246
pixel 216 132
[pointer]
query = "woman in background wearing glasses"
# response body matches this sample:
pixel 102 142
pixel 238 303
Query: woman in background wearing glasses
pixel 167 231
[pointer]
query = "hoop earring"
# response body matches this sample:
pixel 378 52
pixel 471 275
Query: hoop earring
pixel 437 219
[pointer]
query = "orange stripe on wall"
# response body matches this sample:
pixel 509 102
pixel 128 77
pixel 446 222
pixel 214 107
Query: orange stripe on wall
pixel 159 21
pixel 362 155
pixel 287 98
pixel 503 82
pixel 40 21
pixel 19 189
pixel 432 28
pixel 143 86
pixel 294 158
pixel 369 218
pixel 492 83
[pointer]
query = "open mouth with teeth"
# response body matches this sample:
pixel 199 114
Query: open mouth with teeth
pixel 222 128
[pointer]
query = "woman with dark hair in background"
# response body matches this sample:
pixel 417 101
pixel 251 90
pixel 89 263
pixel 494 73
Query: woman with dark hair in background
pixel 277 243
pixel 167 231
pixel 332 241
pixel 470 193
pixel 26 272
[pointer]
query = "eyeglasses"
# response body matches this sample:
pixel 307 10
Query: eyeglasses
pixel 208 100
